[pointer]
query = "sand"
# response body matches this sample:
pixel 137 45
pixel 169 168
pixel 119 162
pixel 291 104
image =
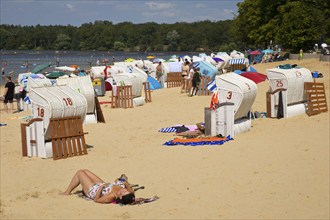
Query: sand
pixel 278 170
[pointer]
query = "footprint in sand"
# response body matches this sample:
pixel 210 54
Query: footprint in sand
pixel 26 196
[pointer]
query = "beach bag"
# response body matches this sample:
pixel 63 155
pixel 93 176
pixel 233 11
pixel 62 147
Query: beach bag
pixel 180 129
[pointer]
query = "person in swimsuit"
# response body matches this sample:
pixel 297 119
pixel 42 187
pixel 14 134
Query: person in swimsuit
pixel 99 191
pixel 185 72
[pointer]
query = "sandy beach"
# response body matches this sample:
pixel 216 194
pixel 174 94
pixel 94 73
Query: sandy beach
pixel 278 170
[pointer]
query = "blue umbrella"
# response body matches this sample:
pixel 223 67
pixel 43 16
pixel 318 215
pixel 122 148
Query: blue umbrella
pixel 268 51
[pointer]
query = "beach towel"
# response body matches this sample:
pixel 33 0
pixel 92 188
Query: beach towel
pixel 177 129
pixel 104 102
pixel 198 141
pixel 168 130
pixel 138 201
pixel 22 117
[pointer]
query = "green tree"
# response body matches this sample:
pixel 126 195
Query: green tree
pixel 293 24
pixel 301 25
pixel 173 38
pixel 62 42
pixel 119 46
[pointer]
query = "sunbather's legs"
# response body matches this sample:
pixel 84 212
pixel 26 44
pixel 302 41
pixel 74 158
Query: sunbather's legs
pixel 80 178
pixel 93 177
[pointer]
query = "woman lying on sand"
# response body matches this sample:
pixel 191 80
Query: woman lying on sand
pixel 99 191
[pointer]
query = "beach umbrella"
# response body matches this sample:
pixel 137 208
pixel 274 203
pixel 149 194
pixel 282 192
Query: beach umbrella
pixel 255 52
pixel 154 84
pixel 40 68
pixel 217 59
pixel 65 68
pixel 156 60
pixel 187 57
pixel 268 51
pixel 324 45
pixel 254 76
pixel 55 74
pixel 150 57
pixel 129 60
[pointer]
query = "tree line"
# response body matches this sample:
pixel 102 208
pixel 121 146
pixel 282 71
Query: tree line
pixel 291 24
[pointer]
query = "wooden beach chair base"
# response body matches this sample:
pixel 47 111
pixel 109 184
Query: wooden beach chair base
pixel 122 97
pixel 173 79
pixel 316 99
pixel 67 137
pixel 147 91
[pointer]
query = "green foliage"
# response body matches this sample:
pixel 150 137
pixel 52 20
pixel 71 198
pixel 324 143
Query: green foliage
pixel 102 35
pixel 227 47
pixel 292 24
pixel 62 42
pixel 173 39
pixel 119 46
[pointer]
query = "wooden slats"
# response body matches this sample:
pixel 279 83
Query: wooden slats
pixel 237 66
pixel 67 137
pixel 100 116
pixel 123 98
pixel 147 91
pixel 174 79
pixel 202 90
pixel 316 98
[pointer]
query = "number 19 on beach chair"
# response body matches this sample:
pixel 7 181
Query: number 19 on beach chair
pixel 66 138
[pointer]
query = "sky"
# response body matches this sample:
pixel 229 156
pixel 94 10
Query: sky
pixel 78 12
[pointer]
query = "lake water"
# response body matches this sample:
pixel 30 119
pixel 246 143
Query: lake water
pixel 13 60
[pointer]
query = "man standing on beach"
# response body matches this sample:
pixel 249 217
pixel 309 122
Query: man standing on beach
pixel 9 94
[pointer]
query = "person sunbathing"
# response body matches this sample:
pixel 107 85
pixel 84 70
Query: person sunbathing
pixel 119 191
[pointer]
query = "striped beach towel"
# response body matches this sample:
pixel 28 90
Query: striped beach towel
pixel 168 130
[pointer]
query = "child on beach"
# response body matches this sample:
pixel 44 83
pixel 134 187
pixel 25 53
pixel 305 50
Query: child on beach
pixel 195 81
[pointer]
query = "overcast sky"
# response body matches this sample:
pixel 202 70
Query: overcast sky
pixel 77 12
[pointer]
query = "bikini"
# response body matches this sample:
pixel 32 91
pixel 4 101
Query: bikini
pixel 93 190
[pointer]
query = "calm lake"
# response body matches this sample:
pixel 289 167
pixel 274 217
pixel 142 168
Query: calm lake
pixel 13 60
